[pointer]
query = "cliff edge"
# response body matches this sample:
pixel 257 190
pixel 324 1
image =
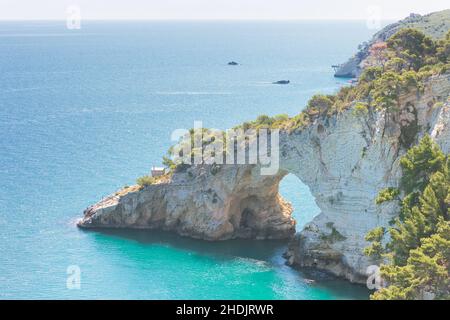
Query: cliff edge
pixel 434 25
pixel 345 159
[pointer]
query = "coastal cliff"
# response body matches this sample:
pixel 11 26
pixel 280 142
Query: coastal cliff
pixel 208 202
pixel 434 25
pixel 345 159
pixel 351 158
pixel 345 147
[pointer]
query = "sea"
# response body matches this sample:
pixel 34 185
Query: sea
pixel 84 112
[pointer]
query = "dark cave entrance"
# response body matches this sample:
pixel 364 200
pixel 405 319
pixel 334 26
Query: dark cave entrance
pixel 247 217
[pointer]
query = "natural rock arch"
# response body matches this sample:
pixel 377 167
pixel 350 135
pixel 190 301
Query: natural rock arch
pixel 344 159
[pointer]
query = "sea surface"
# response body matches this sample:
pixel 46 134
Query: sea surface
pixel 84 112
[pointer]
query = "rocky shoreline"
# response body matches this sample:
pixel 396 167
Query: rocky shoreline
pixel 345 160
pixel 205 202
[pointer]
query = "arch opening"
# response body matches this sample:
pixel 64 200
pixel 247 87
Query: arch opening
pixel 298 194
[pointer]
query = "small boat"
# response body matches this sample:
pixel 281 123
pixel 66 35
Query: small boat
pixel 233 63
pixel 281 82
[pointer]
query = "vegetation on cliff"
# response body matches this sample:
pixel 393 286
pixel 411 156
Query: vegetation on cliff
pixel 402 65
pixel 145 181
pixel 434 25
pixel 417 254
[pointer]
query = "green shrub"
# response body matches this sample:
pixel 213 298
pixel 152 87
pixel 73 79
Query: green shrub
pixel 334 236
pixel 145 181
pixel 419 163
pixel 375 249
pixel 387 194
pixel 412 46
pixel 319 104
pixel 360 109
pixel 169 163
pixel 419 245
pixel 371 73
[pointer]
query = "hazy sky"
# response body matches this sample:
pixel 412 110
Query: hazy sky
pixel 218 9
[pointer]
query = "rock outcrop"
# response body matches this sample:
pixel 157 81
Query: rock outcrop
pixel 435 25
pixel 345 160
pixel 208 202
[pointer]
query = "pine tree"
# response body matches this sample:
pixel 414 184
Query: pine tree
pixel 419 163
pixel 420 238
pixel 426 274
pixel 413 46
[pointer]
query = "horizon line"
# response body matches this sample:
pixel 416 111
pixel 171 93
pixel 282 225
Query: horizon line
pixel 200 19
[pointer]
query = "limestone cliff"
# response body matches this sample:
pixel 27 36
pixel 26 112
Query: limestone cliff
pixel 206 202
pixel 345 159
pixel 349 159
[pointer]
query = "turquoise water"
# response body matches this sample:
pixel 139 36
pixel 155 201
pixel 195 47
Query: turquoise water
pixel 83 112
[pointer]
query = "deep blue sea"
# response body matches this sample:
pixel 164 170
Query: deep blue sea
pixel 84 112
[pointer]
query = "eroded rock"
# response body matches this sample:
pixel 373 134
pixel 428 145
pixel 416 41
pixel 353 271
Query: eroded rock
pixel 345 160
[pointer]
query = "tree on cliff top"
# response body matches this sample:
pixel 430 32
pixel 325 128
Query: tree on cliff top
pixel 413 46
pixel 319 104
pixel 419 249
pixel 419 163
pixel 426 273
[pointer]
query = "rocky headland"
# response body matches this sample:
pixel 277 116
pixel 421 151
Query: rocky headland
pixel 345 153
pixel 345 160
pixel 435 25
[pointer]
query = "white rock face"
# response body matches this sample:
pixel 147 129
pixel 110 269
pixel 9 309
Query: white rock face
pixel 344 159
